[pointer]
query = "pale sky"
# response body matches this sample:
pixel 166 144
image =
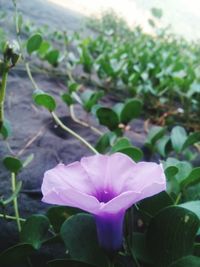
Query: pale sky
pixel 183 15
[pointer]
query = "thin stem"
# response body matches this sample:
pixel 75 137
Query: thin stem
pixel 5 216
pixel 3 95
pixel 15 203
pixel 17 28
pixel 178 199
pixel 64 127
pixel 83 123
pixel 31 77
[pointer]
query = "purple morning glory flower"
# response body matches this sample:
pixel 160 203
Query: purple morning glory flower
pixel 106 186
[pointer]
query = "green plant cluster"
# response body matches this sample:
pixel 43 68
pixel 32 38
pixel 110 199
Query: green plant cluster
pixel 161 69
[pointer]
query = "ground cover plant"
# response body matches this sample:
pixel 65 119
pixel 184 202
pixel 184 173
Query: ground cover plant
pixel 129 203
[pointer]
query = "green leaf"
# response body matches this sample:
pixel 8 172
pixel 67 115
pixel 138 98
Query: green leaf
pixel 67 99
pixel 192 139
pixel 161 145
pixel 171 234
pixel 189 261
pixel 14 194
pixel 171 171
pixel 34 230
pixel 133 152
pixel 138 247
pixel 68 263
pixel 157 12
pixel 105 141
pixel 86 59
pixel 193 206
pixel 53 57
pixel 131 110
pixel 12 164
pixel 151 22
pixel 16 255
pixel 80 238
pixel 108 117
pixel 6 130
pixel 123 145
pixel 73 86
pixel 197 247
pixel 154 134
pixel 118 108
pixel 120 144
pixel 44 100
pixel 152 205
pixel 44 49
pixel 192 178
pixel 57 215
pixel 34 43
pixel 185 169
pixel 90 98
pixel 178 138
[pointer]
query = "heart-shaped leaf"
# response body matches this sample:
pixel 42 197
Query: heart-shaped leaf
pixel 192 178
pixel 189 261
pixel 44 100
pixel 16 255
pixel 105 141
pixel 53 57
pixel 34 230
pixel 157 12
pixel 90 98
pixel 44 49
pixel 120 144
pixel 133 152
pixel 57 215
pixel 192 139
pixel 152 205
pixel 80 238
pixel 171 171
pixel 154 134
pixel 131 110
pixel 138 247
pixel 178 138
pixel 12 164
pixel 171 234
pixel 108 117
pixel 193 206
pixel 161 145
pixel 67 99
pixel 34 43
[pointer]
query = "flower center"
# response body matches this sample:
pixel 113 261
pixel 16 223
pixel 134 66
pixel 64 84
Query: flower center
pixel 105 195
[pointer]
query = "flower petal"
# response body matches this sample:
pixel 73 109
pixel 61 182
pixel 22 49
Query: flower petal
pixel 120 168
pixel 108 172
pixel 96 166
pixel 147 178
pixel 72 198
pixel 70 176
pixel 120 203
